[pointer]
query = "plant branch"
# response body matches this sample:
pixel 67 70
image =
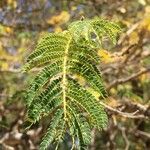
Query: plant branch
pixel 124 114
pixel 124 80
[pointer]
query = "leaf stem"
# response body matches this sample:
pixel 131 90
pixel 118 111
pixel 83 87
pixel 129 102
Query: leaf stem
pixel 64 80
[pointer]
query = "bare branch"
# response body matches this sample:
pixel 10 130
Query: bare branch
pixel 124 114
pixel 124 80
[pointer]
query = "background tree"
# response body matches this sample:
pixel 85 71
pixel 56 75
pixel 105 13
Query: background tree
pixel 125 68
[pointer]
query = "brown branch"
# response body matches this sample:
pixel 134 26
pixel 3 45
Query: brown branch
pixel 124 80
pixel 130 30
pixel 124 114
pixel 134 105
pixel 147 135
pixel 125 138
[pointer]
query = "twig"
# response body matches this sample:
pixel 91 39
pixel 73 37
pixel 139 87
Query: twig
pixel 138 106
pixel 125 138
pixel 124 80
pixel 143 133
pixel 131 29
pixel 124 114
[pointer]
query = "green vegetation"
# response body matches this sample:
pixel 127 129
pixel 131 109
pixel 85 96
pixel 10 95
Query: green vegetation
pixel 112 71
pixel 56 89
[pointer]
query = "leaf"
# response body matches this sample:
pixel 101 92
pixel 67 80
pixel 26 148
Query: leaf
pixel 69 60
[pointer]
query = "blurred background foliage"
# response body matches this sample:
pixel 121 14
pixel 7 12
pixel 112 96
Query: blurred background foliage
pixel 125 69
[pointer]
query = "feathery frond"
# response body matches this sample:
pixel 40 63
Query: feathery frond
pixel 56 91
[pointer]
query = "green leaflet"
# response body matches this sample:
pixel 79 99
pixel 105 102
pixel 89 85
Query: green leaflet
pixel 48 42
pixel 97 27
pixel 41 79
pixel 88 103
pixel 55 90
pixel 105 28
pixel 51 131
pixel 85 51
pixel 80 126
pixel 45 101
pixel 86 69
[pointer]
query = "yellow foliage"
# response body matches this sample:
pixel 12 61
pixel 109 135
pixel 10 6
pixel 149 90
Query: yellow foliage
pixel 13 3
pixel 63 17
pixel 105 56
pixel 58 29
pixel 5 30
pixel 144 77
pixel 4 65
pixel 147 11
pixel 133 38
pixel 1 47
pixel 5 56
pixel 146 23
pixel 73 8
pixel 9 30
